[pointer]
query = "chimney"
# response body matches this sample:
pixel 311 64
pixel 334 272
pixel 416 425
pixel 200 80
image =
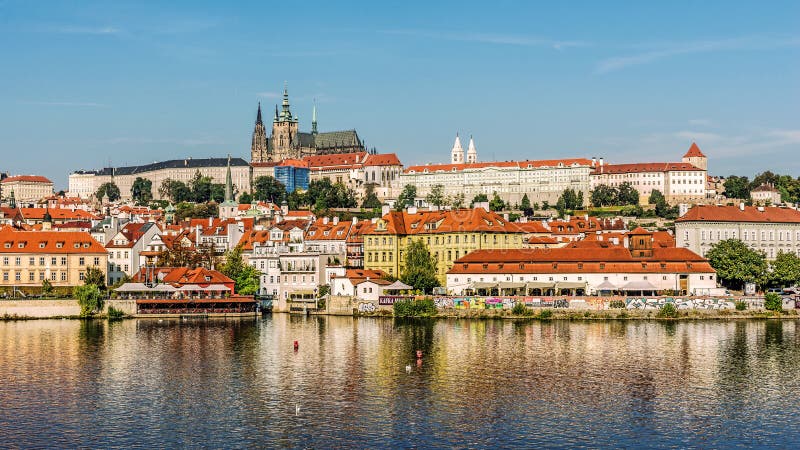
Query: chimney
pixel 741 206
pixel 594 161
pixel 505 216
pixel 384 210
pixel 355 220
pixel 197 236
pixel 760 209
pixel 210 221
pixel 601 161
pixel 335 220
pixel 411 210
pixel 325 220
pixel 625 242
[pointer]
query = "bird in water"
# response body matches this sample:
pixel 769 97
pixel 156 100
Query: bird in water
pixel 296 409
pixel 408 368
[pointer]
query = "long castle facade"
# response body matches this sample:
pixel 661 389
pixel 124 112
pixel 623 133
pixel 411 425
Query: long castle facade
pixel 287 142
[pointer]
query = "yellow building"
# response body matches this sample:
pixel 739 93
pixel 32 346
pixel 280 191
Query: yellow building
pixel 449 235
pixel 27 258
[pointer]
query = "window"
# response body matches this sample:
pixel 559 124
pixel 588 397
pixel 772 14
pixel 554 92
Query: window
pixel 53 261
pixel 17 261
pixel 81 262
pixel 96 260
pixel 63 276
pixel 52 276
pixel 5 260
pixel 31 261
pixel 41 260
pixel 63 260
pixel 41 276
pixel 31 276
pixel 18 276
pixel 5 276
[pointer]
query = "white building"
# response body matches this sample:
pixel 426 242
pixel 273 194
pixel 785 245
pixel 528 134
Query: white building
pixel 124 248
pixel 26 188
pixel 542 180
pixel 288 276
pixel 768 229
pixel 766 194
pixel 84 183
pixel 679 182
pixel 638 267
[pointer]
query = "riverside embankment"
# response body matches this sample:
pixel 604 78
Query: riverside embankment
pixel 55 308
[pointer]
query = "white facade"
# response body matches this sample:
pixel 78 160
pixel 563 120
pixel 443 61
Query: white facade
pixel 540 180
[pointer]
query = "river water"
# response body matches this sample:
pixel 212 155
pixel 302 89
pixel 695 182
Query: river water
pixel 480 383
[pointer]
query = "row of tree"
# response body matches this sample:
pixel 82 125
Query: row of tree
pixel 737 264
pixel 739 187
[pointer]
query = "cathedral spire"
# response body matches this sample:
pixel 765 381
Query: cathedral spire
pixel 258 117
pixel 314 119
pixel 228 183
pixel 286 113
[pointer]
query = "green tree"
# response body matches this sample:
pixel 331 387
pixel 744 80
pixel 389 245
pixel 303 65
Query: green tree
pixel 371 200
pixel 95 276
pixel 296 199
pixel 736 263
pixel 457 201
pixel 525 203
pixel 245 276
pixel 436 196
pixel 267 188
pixel 90 299
pixel 561 205
pixel 47 288
pixel 245 199
pixel 603 195
pixel 406 198
pixel 773 302
pixel 497 204
pixel 142 191
pixel 175 190
pixel 656 198
pixel 218 193
pixel 480 198
pixel 785 269
pixel 420 267
pixel 200 187
pixel 110 189
pixel 627 195
pixel 737 187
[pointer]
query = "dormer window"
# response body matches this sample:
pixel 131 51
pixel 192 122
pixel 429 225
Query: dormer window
pixel 42 244
pixel 59 244
pixel 8 245
pixel 77 245
pixel 21 245
pixel 208 278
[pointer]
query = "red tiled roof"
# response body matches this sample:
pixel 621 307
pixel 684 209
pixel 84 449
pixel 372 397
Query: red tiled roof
pixel 293 163
pixel 27 178
pixel 56 242
pixel 335 159
pixel 60 214
pixel 317 231
pixel 454 221
pixel 571 259
pixel 515 164
pixel 694 152
pixel 383 159
pixel 711 213
pixel 644 167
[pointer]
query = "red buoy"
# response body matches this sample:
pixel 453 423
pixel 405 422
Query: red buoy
pixel 419 353
pixel 296 345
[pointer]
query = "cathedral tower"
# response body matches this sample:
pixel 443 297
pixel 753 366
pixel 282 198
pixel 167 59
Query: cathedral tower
pixel 472 152
pixel 284 132
pixel 258 148
pixel 457 153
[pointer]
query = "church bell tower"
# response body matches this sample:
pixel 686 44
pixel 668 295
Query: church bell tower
pixel 258 148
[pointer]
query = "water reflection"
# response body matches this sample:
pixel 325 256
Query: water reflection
pixel 235 383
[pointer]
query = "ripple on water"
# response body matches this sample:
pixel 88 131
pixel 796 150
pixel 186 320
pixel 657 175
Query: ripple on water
pixel 235 383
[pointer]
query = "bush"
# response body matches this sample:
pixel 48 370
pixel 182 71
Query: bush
pixel 520 309
pixel 414 308
pixel 545 314
pixel 773 302
pixel 89 299
pixel 668 310
pixel 616 304
pixel 115 314
pixel 741 305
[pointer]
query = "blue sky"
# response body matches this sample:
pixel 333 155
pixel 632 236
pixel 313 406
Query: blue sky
pixel 85 83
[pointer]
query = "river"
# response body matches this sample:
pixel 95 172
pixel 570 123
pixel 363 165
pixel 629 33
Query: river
pixel 480 383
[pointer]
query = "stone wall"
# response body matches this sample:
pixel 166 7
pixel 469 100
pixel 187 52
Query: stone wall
pixel 39 308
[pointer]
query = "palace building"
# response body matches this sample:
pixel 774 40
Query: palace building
pixel 288 142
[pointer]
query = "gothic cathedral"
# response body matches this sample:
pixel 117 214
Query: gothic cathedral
pixel 287 142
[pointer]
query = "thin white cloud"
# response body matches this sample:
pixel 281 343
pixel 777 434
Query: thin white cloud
pixel 60 103
pixel 662 51
pixel 84 30
pixel 490 38
pixel 699 136
pixel 701 122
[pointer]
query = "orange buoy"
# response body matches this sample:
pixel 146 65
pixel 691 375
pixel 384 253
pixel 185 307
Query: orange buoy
pixel 296 345
pixel 419 353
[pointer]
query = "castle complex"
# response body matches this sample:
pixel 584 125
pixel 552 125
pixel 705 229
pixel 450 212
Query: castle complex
pixel 287 142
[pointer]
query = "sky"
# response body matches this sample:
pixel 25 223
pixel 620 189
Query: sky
pixel 85 85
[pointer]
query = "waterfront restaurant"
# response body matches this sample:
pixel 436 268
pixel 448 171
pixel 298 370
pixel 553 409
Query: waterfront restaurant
pixel 642 266
pixel 184 291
